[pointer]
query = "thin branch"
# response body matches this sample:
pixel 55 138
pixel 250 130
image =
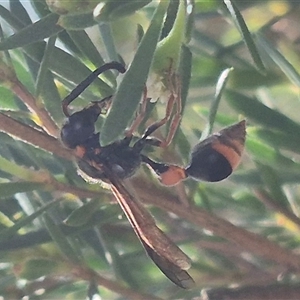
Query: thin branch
pixel 271 292
pixel 90 275
pixel 150 194
pixel 79 192
pixel 33 136
pixel 247 240
pixel 265 198
pixel 48 124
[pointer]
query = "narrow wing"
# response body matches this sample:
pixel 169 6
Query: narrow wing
pixel 164 253
pixel 176 274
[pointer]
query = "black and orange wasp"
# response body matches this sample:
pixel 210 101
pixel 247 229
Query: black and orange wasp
pixel 213 159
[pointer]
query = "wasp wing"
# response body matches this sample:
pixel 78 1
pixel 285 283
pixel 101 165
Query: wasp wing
pixel 179 276
pixel 165 254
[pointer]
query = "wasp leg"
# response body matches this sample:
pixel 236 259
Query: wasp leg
pixel 168 174
pixel 140 115
pixel 173 104
pixel 177 115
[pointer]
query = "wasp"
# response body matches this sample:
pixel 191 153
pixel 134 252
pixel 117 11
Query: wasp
pixel 212 159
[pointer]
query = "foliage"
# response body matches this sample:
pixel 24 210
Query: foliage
pixel 64 238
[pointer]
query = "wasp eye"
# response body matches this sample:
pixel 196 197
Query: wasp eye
pixel 79 127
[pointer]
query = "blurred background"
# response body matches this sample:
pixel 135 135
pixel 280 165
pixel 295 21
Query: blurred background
pixel 64 238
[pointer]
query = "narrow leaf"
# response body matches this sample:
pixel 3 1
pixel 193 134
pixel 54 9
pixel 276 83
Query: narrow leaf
pixel 108 41
pixel 272 182
pixel 130 90
pixel 215 102
pixel 279 140
pixel 262 114
pixel 11 231
pixel 113 10
pixel 10 18
pixel 60 239
pixel 44 66
pixel 19 11
pixel 66 66
pixel 83 214
pixel 286 67
pixel 252 177
pixel 8 189
pixel 77 21
pixel 86 46
pixel 268 155
pixel 242 27
pixel 37 31
pixel 38 267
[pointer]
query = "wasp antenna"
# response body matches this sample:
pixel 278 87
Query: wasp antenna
pixel 114 65
pixel 216 157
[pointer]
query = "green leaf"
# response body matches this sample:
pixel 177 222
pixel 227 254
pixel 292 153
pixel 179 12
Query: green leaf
pixel 271 180
pixel 67 66
pixel 8 189
pixel 20 12
pixel 61 62
pixel 185 70
pixel 35 268
pixel 215 102
pixel 12 230
pixel 10 18
pixel 71 7
pixel 121 267
pixel 130 90
pixel 44 66
pixel 279 140
pixel 5 221
pixel 16 170
pixel 253 109
pixel 86 46
pixel 40 7
pixel 286 67
pixel 7 99
pixel 60 239
pixel 108 41
pixel 37 31
pixel 167 53
pixel 83 214
pixel 241 25
pixel 77 21
pixel 266 154
pixel 243 78
pixel 114 10
pixel 51 98
pixel 252 177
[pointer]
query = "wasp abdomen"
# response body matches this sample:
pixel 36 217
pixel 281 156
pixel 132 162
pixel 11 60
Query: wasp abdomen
pixel 216 157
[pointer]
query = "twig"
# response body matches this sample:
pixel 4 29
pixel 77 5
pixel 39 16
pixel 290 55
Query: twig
pixel 90 275
pixel 272 204
pixel 150 194
pixel 33 136
pixel 271 292
pixel 247 240
pixel 47 123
